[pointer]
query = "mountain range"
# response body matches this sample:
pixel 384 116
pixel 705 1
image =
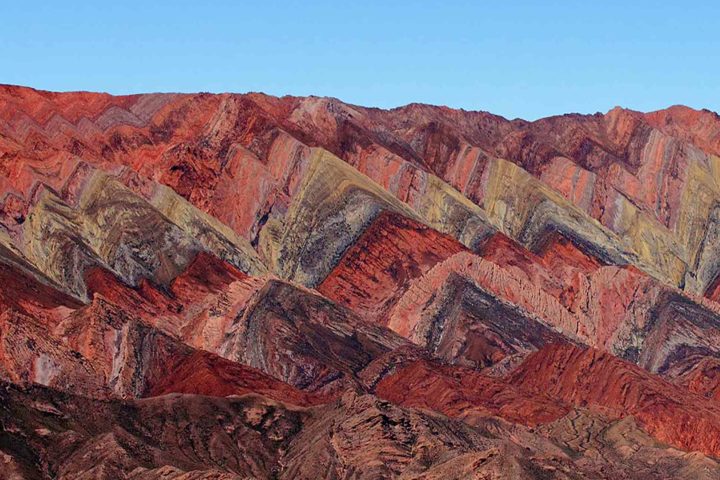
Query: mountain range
pixel 237 286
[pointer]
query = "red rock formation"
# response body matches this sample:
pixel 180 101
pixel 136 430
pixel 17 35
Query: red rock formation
pixel 701 128
pixel 375 272
pixel 587 377
pixel 507 253
pixel 563 257
pixel 699 374
pixel 205 374
pixel 466 394
pixel 20 291
pixel 232 286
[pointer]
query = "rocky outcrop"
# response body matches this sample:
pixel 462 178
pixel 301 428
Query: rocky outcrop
pixel 586 377
pixel 377 270
pixel 464 393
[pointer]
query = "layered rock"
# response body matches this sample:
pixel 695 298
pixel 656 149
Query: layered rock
pixel 586 377
pixel 235 286
pixel 374 273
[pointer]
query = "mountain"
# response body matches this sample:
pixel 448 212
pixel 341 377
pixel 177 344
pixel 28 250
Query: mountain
pixel 201 286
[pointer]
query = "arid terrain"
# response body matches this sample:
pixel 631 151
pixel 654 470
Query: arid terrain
pixel 240 286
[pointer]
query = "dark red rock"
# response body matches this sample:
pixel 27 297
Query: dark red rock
pixel 589 378
pixel 377 269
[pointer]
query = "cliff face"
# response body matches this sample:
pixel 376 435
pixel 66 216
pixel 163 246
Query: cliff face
pixel 234 286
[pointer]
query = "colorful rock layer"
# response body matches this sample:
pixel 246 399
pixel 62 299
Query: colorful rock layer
pixel 243 286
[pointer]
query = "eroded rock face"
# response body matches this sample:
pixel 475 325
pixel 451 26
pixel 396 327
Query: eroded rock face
pixel 306 340
pixel 243 286
pixel 586 377
pixel 373 274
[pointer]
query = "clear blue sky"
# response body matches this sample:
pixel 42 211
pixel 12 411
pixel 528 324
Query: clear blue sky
pixel 518 59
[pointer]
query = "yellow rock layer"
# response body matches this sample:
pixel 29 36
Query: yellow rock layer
pixel 322 201
pixel 113 227
pixel 214 235
pixel 512 196
pixel 449 211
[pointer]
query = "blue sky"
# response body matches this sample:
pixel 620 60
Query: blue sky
pixel 517 59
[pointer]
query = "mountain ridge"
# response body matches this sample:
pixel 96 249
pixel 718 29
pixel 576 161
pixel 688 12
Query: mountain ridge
pixel 671 107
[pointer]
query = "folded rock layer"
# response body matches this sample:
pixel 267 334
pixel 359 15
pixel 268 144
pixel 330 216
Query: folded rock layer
pixel 199 286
